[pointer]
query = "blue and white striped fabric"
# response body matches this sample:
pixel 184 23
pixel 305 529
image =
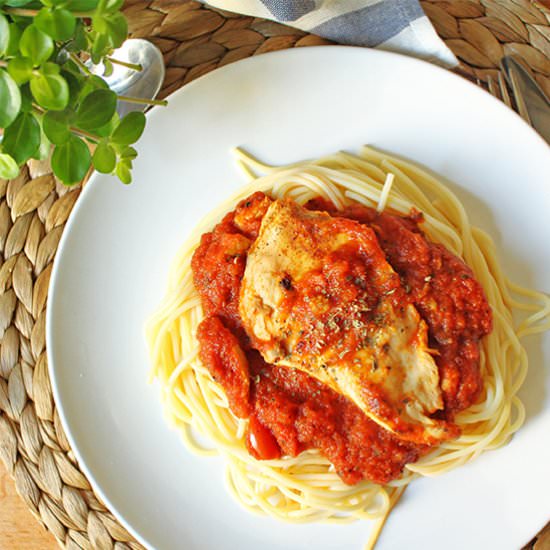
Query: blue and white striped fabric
pixel 395 25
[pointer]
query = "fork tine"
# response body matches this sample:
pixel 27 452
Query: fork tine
pixel 492 87
pixel 498 88
pixel 504 90
pixel 522 109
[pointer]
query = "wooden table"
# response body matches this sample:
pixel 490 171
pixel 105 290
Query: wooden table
pixel 18 528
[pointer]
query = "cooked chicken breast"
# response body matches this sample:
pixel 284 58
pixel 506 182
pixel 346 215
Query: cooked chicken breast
pixel 318 295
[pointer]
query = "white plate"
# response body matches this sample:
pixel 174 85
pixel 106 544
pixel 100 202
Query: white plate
pixel 112 263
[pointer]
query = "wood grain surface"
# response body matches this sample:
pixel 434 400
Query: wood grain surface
pixel 18 528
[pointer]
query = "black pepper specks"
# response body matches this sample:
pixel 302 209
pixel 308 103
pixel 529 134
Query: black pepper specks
pixel 286 282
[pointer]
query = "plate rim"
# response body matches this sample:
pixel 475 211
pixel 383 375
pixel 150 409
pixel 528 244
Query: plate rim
pixel 95 179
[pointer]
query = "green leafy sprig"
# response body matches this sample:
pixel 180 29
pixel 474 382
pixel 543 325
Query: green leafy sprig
pixel 50 102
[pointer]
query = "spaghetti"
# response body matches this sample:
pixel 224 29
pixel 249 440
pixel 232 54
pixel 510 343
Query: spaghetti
pixel 307 488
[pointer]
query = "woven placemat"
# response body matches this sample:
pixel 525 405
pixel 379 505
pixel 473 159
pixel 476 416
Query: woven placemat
pixel 34 208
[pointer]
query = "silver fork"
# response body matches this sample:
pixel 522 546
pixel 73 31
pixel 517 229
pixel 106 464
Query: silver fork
pixel 499 88
pixel 527 98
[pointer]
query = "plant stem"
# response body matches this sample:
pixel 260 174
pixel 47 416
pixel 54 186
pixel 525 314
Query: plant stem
pixel 84 134
pixel 31 13
pixel 38 109
pixel 77 131
pixel 20 11
pixel 81 65
pixel 134 66
pixel 143 101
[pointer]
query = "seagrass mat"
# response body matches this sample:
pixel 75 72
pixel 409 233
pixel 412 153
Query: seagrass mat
pixel 34 208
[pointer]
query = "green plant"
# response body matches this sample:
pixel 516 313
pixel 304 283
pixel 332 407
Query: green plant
pixel 50 102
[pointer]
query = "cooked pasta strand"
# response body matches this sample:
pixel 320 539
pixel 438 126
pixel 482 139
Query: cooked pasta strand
pixel 306 488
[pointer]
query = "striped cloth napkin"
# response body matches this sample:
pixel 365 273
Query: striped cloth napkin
pixel 394 25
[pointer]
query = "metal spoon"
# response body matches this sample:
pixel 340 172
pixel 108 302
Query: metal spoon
pixel 144 84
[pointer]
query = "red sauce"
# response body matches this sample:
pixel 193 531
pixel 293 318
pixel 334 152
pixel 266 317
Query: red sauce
pixel 445 293
pixel 290 411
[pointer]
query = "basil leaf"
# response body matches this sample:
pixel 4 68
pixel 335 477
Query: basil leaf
pixel 128 153
pixel 129 129
pixel 91 84
pixel 114 26
pixel 74 82
pixel 71 161
pixel 82 5
pixel 112 6
pixel 104 158
pixel 96 110
pixel 44 148
pixel 13 40
pixel 10 99
pixel 123 171
pixel 80 39
pixel 107 129
pixel 118 29
pixel 100 48
pixel 8 167
pixel 56 126
pixel 71 67
pixel 26 98
pixel 20 69
pixel 17 3
pixel 50 91
pixel 50 68
pixel 36 44
pixel 22 137
pixel 58 23
pixel 107 67
pixel 4 35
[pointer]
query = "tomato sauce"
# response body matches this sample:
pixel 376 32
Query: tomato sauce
pixel 290 411
pixel 445 293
